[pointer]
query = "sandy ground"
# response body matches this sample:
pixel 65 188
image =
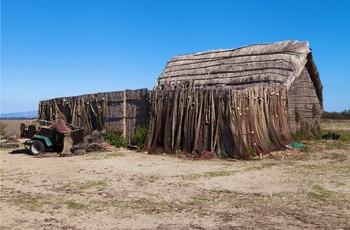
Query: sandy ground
pixel 130 190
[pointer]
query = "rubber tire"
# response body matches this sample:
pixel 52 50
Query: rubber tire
pixel 57 148
pixel 37 147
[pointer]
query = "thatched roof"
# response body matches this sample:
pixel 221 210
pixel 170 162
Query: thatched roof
pixel 265 64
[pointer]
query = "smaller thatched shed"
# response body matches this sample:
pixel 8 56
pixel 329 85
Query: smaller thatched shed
pixel 120 111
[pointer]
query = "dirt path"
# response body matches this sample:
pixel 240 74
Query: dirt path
pixel 129 190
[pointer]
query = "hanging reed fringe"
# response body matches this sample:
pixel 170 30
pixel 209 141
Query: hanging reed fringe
pixel 91 114
pixel 120 111
pixel 241 123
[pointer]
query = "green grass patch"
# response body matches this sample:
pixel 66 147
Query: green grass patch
pixel 340 156
pixel 344 134
pixel 336 156
pixel 184 185
pixel 263 166
pixel 335 144
pixel 219 174
pixel 100 185
pixel 99 156
pixel 209 174
pixel 319 193
pixel 75 205
pixel 31 202
pixel 114 154
pixel 290 163
pixel 305 149
pixel 141 203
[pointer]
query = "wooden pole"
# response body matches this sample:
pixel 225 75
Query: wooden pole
pixel 124 115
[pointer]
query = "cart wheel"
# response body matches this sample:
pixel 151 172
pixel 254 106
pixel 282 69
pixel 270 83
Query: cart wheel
pixel 37 147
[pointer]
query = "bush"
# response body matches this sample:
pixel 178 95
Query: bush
pixel 116 139
pixel 140 136
pixel 178 151
pixel 2 129
pixel 305 149
pixel 223 154
pixel 336 115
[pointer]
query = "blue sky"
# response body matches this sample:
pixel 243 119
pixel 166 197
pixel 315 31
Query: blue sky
pixel 57 48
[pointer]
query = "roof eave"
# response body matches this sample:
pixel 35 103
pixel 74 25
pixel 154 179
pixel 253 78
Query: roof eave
pixel 315 77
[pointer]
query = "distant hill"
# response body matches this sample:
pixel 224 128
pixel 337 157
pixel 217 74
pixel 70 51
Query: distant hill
pixel 19 115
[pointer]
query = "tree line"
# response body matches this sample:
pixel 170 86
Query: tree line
pixel 336 115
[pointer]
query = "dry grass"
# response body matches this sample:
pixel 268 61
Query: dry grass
pixel 12 127
pixel 127 190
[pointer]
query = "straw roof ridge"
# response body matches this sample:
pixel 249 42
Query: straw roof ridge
pixel 285 59
pixel 172 68
pixel 229 72
pixel 263 46
pixel 214 58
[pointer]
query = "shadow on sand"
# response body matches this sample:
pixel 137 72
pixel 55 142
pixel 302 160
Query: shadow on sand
pixel 20 151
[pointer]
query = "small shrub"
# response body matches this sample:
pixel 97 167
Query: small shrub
pixel 305 149
pixel 223 154
pixel 140 136
pixel 116 139
pixel 251 151
pixel 271 143
pixel 2 129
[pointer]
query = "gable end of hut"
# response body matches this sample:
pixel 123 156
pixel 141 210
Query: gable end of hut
pixel 305 100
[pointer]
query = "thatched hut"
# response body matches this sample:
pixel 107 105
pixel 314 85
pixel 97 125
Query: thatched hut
pixel 237 102
pixel 276 87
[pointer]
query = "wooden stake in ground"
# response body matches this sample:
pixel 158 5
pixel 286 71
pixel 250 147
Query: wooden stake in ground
pixel 67 145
